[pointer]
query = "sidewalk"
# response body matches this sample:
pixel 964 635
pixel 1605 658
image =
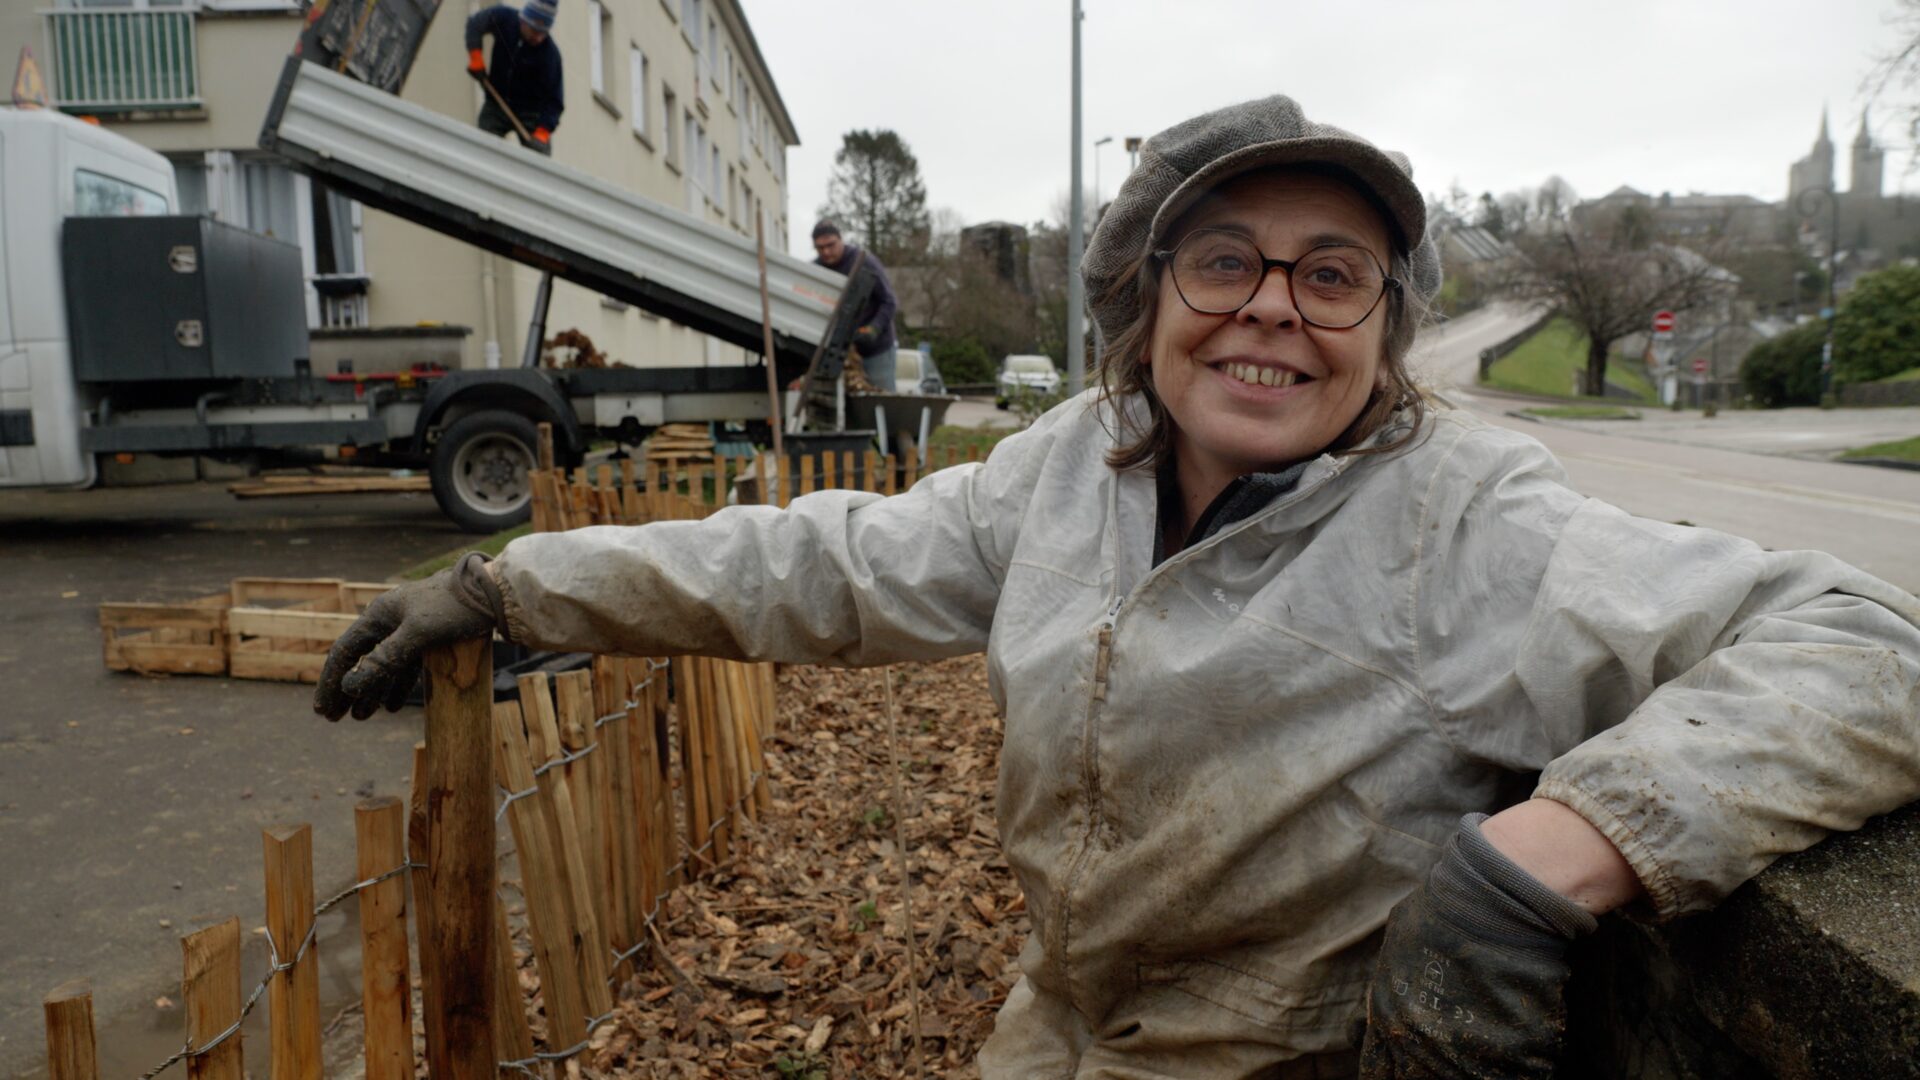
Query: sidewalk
pixel 1811 434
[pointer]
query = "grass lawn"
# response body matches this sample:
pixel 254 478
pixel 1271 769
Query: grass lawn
pixel 489 546
pixel 1584 412
pixel 1545 363
pixel 1912 374
pixel 960 438
pixel 1901 450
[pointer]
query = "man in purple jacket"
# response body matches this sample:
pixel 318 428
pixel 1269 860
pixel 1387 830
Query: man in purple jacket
pixel 525 70
pixel 873 339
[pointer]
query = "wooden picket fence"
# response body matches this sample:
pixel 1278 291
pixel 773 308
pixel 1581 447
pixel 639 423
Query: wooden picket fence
pixel 615 792
pixel 618 784
pixel 629 492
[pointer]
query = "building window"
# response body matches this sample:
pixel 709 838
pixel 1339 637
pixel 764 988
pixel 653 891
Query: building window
pixel 599 43
pixel 713 174
pixel 669 130
pixel 707 59
pixel 727 82
pixel 637 90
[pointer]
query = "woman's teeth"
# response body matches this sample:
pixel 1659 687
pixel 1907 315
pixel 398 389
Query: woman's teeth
pixel 1255 375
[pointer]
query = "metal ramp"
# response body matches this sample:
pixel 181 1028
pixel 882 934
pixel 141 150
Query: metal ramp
pixel 447 176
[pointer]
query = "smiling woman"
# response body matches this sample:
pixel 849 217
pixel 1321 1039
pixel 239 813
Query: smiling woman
pixel 1273 635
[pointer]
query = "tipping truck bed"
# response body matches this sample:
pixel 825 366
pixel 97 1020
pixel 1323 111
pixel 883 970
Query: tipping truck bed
pixel 449 177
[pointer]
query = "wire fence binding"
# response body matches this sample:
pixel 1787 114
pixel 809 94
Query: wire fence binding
pixel 523 1066
pixel 274 967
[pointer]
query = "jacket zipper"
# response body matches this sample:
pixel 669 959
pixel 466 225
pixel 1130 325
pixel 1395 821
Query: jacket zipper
pixel 1102 656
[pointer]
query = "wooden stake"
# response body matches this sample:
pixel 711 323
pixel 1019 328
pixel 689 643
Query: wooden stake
pixel 829 471
pixel 512 1037
pixel 386 993
pixel 542 872
pixel 69 1017
pixel 293 996
pixel 424 937
pixel 629 494
pixel 809 467
pixel 460 859
pixel 573 709
pixel 210 990
pixel 546 446
pixel 693 772
pixel 589 945
pixel 774 410
pixel 619 826
pixel 733 780
pixel 891 478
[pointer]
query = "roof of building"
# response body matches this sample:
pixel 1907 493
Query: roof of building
pixel 1479 245
pixel 756 60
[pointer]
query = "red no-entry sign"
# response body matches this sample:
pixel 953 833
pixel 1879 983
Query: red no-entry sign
pixel 1663 322
pixel 1699 365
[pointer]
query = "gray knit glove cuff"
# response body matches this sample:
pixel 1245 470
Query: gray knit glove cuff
pixel 1515 900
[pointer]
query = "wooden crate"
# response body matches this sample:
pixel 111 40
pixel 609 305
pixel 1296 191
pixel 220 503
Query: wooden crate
pixel 262 628
pixel 281 628
pixel 188 638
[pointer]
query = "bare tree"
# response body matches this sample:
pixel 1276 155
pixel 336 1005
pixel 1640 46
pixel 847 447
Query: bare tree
pixel 1610 286
pixel 1899 68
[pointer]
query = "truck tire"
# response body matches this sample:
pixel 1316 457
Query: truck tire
pixel 480 470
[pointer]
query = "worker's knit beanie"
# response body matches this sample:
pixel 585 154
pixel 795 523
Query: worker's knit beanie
pixel 538 14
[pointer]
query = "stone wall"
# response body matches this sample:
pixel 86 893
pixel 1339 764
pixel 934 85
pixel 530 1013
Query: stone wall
pixel 1880 393
pixel 1810 971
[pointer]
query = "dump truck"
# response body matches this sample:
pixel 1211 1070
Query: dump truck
pixel 128 328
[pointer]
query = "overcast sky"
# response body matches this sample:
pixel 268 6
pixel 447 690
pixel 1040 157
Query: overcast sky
pixel 1682 95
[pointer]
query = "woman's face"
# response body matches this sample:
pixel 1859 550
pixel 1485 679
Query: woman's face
pixel 1208 369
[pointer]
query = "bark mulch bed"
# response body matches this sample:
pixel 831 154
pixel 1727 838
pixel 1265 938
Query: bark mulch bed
pixel 790 960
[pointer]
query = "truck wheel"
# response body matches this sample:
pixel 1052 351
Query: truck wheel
pixel 480 468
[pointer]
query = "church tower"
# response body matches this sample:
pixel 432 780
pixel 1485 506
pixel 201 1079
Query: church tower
pixel 1869 162
pixel 1815 171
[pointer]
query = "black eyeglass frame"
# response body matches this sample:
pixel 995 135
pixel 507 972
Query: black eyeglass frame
pixel 1266 267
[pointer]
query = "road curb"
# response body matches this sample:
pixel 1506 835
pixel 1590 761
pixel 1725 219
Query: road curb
pixel 1881 462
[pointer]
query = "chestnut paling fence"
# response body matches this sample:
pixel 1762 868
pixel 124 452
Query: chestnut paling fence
pixel 618 785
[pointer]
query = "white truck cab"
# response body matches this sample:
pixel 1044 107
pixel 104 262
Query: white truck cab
pixel 53 167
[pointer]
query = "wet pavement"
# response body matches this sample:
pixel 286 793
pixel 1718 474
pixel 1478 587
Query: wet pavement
pixel 131 807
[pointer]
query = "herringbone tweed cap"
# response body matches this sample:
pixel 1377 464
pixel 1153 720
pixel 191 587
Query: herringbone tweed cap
pixel 1184 162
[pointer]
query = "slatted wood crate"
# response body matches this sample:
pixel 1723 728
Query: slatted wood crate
pixel 188 638
pixel 276 629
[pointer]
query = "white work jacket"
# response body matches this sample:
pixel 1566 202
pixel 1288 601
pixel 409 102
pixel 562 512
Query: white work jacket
pixel 1221 772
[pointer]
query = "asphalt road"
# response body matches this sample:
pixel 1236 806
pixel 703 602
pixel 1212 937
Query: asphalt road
pixel 1756 474
pixel 131 808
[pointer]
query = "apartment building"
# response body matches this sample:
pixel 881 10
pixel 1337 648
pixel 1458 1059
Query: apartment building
pixel 671 99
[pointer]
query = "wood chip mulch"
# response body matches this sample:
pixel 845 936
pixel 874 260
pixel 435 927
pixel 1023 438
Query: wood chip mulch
pixel 790 960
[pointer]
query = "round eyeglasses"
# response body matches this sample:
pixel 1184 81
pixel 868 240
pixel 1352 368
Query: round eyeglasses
pixel 1334 286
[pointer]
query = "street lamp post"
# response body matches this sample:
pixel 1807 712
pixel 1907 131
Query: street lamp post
pixel 1097 144
pixel 1808 208
pixel 1076 289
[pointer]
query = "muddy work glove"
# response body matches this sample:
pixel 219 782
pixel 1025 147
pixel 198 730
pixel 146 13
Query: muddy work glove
pixel 377 661
pixel 1469 981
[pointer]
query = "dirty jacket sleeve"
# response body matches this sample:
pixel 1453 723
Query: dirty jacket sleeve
pixel 1707 704
pixel 839 576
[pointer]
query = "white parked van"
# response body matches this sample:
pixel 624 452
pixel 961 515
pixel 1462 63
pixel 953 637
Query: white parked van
pixel 53 167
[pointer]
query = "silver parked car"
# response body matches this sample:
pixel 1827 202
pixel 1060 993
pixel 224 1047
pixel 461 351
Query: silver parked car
pixel 1026 374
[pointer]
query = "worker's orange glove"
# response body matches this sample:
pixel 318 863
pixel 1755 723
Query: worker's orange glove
pixel 542 135
pixel 476 64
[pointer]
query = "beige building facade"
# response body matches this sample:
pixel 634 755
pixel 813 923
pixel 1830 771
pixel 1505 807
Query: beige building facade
pixel 670 99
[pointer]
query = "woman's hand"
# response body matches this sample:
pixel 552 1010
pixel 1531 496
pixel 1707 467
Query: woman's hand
pixel 1468 982
pixel 377 661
